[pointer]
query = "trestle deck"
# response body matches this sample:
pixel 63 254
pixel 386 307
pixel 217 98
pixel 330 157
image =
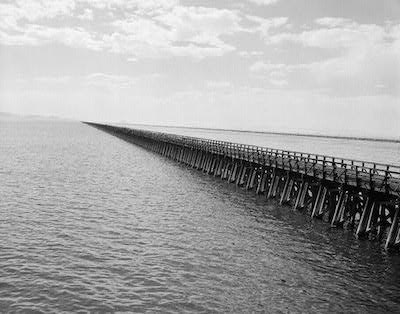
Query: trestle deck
pixel 361 195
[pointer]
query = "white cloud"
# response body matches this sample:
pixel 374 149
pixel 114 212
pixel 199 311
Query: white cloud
pixel 199 52
pixel 154 28
pixel 264 2
pixel 17 39
pixel 335 33
pixel 86 15
pixel 76 37
pixel 365 56
pixel 332 21
pixel 193 31
pixel 250 54
pixel 261 67
pixel 188 22
pixel 145 29
pixel 265 25
pixel 181 31
pixel 278 82
pixel 33 10
pixel 141 6
pixel 27 23
pixel 274 73
pixel 110 80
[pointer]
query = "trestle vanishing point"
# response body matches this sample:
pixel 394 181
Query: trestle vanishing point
pixel 358 195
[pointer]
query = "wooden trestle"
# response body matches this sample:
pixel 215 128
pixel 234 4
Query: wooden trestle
pixel 360 195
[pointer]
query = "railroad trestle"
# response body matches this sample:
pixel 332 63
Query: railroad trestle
pixel 357 195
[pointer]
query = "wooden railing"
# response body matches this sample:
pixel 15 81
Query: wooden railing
pixel 370 175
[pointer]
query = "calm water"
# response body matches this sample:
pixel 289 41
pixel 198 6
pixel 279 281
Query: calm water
pixel 374 151
pixel 90 222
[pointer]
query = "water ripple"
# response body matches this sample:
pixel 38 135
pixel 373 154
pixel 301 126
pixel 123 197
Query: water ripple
pixel 91 223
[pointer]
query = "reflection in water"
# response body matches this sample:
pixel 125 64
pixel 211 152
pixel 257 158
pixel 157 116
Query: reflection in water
pixel 91 222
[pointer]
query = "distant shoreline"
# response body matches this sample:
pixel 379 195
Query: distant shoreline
pixel 353 138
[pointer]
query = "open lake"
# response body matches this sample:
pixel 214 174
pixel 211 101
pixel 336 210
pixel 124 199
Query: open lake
pixel 90 222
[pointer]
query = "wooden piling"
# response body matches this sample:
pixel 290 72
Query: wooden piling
pixel 272 184
pixel 351 193
pixel 261 188
pixel 316 202
pixel 394 230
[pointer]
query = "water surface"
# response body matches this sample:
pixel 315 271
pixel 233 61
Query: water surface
pixel 365 150
pixel 90 222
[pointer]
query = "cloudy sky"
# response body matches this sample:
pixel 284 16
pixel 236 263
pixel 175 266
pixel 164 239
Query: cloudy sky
pixel 329 66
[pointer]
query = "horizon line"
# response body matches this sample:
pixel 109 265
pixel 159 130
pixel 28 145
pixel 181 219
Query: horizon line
pixel 353 138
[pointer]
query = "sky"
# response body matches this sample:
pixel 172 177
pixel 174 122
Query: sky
pixel 308 66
